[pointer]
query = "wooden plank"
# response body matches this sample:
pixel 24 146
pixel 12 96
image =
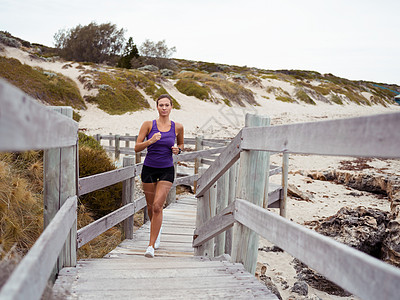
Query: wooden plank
pixel 187 180
pixel 221 204
pixel 225 160
pixel 197 161
pixel 274 195
pixel 25 124
pixel 128 192
pixel 29 278
pixel 98 181
pixel 355 271
pixel 214 226
pixel 274 170
pixel 285 172
pixel 370 136
pixel 127 151
pixel 208 143
pixel 202 153
pixel 94 229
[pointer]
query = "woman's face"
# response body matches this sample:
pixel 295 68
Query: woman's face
pixel 164 107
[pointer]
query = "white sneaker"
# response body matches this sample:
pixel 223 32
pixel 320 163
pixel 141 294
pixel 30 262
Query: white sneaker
pixel 149 252
pixel 158 240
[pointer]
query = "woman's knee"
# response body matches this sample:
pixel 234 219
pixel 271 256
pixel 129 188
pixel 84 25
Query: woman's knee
pixel 157 208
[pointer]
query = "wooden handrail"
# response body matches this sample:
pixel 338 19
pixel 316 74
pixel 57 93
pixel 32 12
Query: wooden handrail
pixel 94 229
pixel 346 266
pixel 29 278
pixel 353 270
pixel 224 161
pixel 98 181
pixel 370 136
pixel 26 124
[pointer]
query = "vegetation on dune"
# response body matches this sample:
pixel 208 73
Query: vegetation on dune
pixel 21 204
pixel 50 88
pixel 21 200
pixel 227 89
pixel 117 95
pixel 190 87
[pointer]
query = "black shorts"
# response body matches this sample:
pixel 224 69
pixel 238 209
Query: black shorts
pixel 151 175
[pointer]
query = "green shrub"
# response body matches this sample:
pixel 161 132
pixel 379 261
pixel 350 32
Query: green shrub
pixel 227 89
pixel 336 99
pixel 53 89
pixel 227 102
pixel 190 87
pixel 93 160
pixel 285 99
pixel 117 95
pixel 302 96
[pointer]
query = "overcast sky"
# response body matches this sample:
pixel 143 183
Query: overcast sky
pixel 355 39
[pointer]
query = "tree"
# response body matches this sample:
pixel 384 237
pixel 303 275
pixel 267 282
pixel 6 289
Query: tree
pixel 92 43
pixel 130 52
pixel 159 49
pixel 156 54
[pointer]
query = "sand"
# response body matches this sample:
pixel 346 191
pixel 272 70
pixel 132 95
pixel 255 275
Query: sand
pixel 220 121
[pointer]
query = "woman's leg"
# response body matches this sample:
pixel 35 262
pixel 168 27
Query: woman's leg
pixel 149 190
pixel 161 192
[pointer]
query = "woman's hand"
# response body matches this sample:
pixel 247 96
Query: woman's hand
pixel 175 150
pixel 156 137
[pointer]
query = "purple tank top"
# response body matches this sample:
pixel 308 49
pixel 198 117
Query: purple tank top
pixel 159 154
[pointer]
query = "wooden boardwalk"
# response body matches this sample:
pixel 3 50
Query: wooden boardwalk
pixel 174 273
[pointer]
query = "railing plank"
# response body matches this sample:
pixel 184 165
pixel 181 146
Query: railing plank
pixel 214 226
pixel 95 182
pixel 370 136
pixel 26 124
pixel 29 278
pixel 94 229
pixel 202 153
pixel 186 180
pixel 355 271
pixel 224 161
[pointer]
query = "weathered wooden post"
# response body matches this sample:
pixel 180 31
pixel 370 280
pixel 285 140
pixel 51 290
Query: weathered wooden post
pixel 221 202
pixel 128 194
pixel 233 173
pixel 110 143
pixel 203 214
pixel 285 169
pixel 61 173
pixel 117 147
pixel 250 187
pixel 97 136
pixel 197 161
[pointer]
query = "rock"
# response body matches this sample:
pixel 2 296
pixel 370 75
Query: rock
pixel 8 41
pixel 300 287
pixel 105 87
pixel 150 68
pixel 317 281
pixel 240 77
pixel 295 192
pixel 166 72
pixel 50 74
pixel 270 285
pixel 270 249
pixel 391 243
pixel 218 75
pixel 361 228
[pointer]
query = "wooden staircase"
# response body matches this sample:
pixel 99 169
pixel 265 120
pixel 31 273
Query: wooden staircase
pixel 174 273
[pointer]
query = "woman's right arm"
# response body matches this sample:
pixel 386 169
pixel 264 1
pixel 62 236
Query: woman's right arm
pixel 141 144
